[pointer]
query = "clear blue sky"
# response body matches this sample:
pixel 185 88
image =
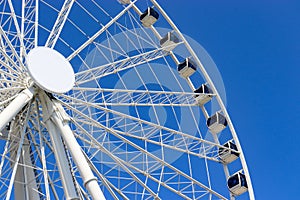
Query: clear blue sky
pixel 256 47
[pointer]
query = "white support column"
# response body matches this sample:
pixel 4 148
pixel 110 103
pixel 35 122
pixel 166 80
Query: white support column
pixel 59 151
pixel 90 181
pixel 15 107
pixel 62 162
pixel 60 120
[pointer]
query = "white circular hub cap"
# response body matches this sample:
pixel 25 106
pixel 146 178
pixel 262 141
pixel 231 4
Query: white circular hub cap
pixel 50 70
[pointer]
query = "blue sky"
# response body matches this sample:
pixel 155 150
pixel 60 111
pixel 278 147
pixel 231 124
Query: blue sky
pixel 256 46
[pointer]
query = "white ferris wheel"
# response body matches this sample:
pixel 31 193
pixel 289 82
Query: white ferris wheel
pixel 98 102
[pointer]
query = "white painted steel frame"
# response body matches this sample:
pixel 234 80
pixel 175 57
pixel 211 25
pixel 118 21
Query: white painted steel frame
pixel 120 97
pixel 159 160
pixel 59 23
pixel 17 26
pixel 12 49
pixel 91 39
pixel 57 121
pixel 145 135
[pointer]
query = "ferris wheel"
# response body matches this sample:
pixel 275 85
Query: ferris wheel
pixel 108 100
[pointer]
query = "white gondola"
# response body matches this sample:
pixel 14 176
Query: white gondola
pixel 149 17
pixel 186 68
pixel 169 41
pixel 124 2
pixel 229 153
pixel 204 94
pixel 216 123
pixel 237 184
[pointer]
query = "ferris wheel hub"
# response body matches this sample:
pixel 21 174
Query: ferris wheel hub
pixel 50 70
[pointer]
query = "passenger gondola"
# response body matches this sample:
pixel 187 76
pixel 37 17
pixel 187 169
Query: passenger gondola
pixel 237 184
pixel 229 153
pixel 203 94
pixel 186 68
pixel 149 17
pixel 216 123
pixel 169 41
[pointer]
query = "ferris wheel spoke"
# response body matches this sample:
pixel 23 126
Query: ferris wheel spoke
pixel 151 132
pixel 29 26
pixel 134 40
pixel 17 27
pixel 128 167
pixel 7 63
pixel 36 23
pixel 160 135
pixel 99 32
pixel 15 85
pixel 59 23
pixel 8 94
pixel 19 66
pixel 170 173
pixel 177 174
pixel 179 144
pixel 53 188
pixel 120 65
pixel 117 161
pixel 115 158
pixel 122 97
pixel 10 89
pixel 111 187
pixel 156 163
pixel 6 72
